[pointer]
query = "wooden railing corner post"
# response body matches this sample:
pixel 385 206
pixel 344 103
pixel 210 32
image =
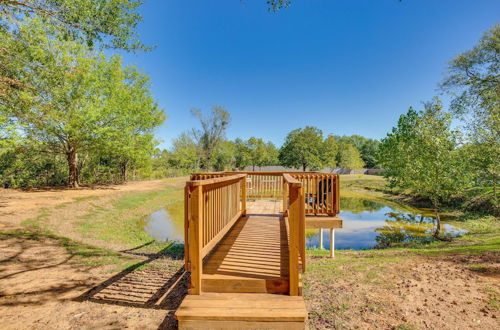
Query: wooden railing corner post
pixel 195 211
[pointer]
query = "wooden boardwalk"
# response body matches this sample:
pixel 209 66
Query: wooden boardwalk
pixel 253 256
pixel 242 275
pixel 246 253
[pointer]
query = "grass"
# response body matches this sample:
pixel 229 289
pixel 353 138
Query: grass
pixel 122 221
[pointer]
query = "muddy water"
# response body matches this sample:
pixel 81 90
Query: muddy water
pixel 367 224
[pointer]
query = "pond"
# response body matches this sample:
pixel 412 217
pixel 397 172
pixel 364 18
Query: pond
pixel 367 224
pixel 370 224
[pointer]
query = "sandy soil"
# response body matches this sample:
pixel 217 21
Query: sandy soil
pixel 41 287
pixel 419 293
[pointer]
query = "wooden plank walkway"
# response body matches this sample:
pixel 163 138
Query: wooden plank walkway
pixel 245 278
pixel 252 257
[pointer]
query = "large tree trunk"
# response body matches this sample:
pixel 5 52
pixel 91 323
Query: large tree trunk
pixel 72 167
pixel 304 167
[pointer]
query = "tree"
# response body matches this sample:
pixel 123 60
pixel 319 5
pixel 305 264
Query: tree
pixel 242 154
pixel 348 156
pixel 272 154
pixel 303 149
pixel 74 98
pixel 256 152
pixel 367 147
pixel 213 129
pixel 473 80
pixel 421 155
pixel 111 22
pixel 225 156
pixel 184 152
pixel 330 150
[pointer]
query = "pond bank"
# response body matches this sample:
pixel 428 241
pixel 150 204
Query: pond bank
pixel 446 285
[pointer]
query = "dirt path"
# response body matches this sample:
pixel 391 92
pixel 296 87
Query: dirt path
pixel 17 205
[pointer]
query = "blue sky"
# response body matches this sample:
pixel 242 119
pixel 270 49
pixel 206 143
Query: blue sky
pixel 345 66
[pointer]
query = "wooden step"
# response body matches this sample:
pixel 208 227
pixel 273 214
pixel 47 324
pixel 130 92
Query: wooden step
pixel 242 311
pixel 240 284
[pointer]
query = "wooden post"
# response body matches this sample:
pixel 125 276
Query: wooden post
pixel 186 228
pixel 195 237
pixel 321 238
pixel 285 204
pixel 302 228
pixel 332 243
pixel 293 220
pixel 244 196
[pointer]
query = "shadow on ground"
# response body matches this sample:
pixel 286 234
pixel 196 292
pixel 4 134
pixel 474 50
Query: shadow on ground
pixel 159 282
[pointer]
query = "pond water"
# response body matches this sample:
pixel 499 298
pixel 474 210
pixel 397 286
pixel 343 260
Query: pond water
pixel 367 224
pixel 167 224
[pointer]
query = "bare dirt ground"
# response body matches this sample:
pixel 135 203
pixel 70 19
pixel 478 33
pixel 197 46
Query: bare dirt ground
pixel 419 293
pixel 43 288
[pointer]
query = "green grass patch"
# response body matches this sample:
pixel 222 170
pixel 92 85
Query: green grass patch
pixel 123 220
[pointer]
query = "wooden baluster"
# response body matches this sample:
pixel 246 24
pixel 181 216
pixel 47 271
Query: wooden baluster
pixel 244 196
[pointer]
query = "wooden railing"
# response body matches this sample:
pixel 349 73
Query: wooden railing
pixel 321 190
pixel 295 209
pixel 212 207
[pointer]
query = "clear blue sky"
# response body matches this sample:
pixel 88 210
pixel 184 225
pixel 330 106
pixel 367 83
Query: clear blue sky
pixel 345 66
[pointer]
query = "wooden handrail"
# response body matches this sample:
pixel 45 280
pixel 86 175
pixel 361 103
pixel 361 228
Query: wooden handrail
pixel 211 181
pixel 291 181
pixel 321 190
pixel 212 207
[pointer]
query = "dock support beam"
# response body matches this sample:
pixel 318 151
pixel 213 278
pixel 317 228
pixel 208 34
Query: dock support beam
pixel 321 246
pixel 332 243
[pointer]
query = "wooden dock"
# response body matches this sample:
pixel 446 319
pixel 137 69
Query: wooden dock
pixel 246 255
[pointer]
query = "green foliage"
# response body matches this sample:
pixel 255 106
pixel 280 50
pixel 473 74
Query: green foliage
pixel 74 100
pixel 421 154
pixel 367 147
pixel 330 151
pixel 111 23
pixel 349 156
pixel 184 152
pixel 303 149
pixel 473 81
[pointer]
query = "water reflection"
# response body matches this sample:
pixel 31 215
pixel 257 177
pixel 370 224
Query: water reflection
pixel 166 224
pixel 369 224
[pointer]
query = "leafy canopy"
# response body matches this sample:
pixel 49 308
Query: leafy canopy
pixel 421 154
pixel 303 148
